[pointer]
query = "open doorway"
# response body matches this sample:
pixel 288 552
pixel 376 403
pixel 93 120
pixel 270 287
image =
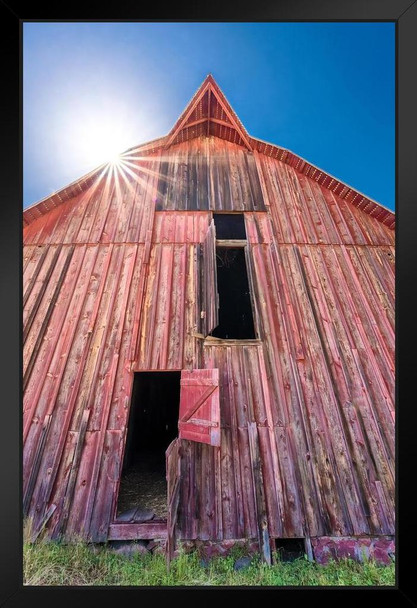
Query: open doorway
pixel 235 307
pixel 153 424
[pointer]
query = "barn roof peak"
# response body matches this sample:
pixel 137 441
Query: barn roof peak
pixel 209 113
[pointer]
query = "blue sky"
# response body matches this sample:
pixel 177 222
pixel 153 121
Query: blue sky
pixel 325 91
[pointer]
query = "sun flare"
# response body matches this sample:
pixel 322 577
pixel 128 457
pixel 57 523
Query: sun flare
pixel 115 159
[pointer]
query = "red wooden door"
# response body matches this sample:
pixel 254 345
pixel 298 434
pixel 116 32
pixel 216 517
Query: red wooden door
pixel 173 474
pixel 209 297
pixel 199 417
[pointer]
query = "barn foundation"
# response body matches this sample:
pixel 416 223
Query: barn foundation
pixel 380 549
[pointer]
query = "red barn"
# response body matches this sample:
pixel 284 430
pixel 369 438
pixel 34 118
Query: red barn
pixel 215 311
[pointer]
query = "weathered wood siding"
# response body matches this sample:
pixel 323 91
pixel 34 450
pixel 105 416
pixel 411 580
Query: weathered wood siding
pixel 111 287
pixel 209 173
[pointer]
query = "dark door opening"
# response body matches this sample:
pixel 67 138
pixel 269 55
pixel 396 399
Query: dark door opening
pixel 235 308
pixel 290 549
pixel 153 424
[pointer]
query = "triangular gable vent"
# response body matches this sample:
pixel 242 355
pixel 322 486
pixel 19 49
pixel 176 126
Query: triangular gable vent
pixel 209 113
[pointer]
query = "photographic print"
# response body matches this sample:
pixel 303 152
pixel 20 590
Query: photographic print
pixel 209 303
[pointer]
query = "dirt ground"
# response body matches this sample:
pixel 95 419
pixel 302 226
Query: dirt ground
pixel 144 485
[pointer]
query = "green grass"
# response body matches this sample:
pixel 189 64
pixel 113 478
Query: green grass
pixel 52 563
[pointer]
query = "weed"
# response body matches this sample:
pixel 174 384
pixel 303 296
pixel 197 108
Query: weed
pixel 75 564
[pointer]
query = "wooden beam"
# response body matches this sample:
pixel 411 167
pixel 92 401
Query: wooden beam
pixel 194 123
pixel 208 111
pixel 212 341
pixel 231 242
pixel 180 124
pixel 234 124
pixel 224 123
pixel 129 531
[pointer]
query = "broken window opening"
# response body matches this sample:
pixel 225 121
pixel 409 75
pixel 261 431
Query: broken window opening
pixel 290 549
pixel 235 306
pixel 230 226
pixel 153 425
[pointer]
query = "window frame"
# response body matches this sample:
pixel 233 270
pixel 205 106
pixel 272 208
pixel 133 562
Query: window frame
pixel 239 244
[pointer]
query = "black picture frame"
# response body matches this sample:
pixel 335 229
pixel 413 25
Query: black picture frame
pixel 12 15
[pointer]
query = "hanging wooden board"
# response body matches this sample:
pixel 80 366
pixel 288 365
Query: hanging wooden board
pixel 209 297
pixel 199 418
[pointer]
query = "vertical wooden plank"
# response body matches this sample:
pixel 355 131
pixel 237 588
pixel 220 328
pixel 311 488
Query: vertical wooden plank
pixel 144 203
pixel 254 183
pixel 105 496
pixel 36 257
pixel 33 232
pixel 126 192
pixel 291 203
pixel 51 313
pixel 309 220
pixel 57 331
pixel 47 401
pixel 99 221
pixel 173 475
pixel 110 225
pixel 249 504
pixel 100 407
pixel 227 486
pixel 263 532
pixel 77 524
pixel 272 512
pixel 333 206
pixel 208 287
pixel 190 309
pixel 235 182
pixel 69 492
pixel 99 334
pixel 347 210
pixel 39 287
pixel 61 481
pixel 185 490
pixel 325 230
pixel 94 208
pixel 162 320
pixel 229 380
pixel 180 236
pixel 148 309
pixel 176 337
pixel 35 465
